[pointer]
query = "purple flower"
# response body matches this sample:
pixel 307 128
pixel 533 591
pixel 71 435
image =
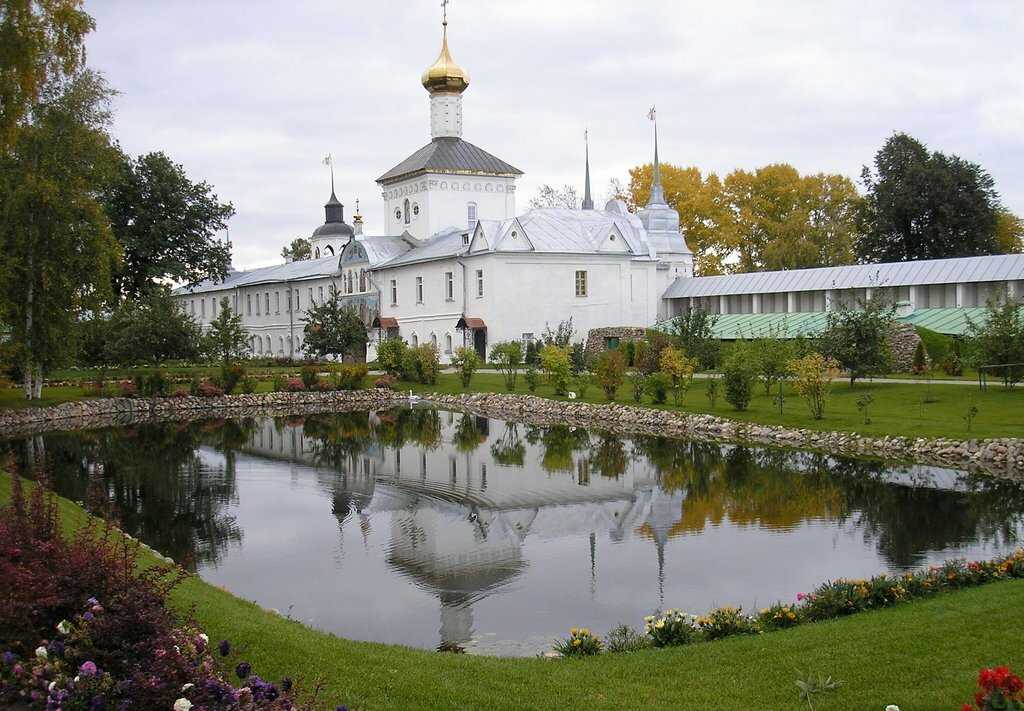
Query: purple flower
pixel 56 648
pixel 225 648
pixel 286 684
pixel 88 669
pixel 9 658
pixel 92 601
pixel 243 670
pixel 343 707
pixel 87 617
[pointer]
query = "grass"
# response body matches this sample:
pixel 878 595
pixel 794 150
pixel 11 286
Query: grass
pixel 898 408
pixel 921 655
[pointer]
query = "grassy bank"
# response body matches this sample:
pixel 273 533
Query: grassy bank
pixel 921 655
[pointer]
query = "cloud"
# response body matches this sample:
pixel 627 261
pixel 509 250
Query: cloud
pixel 250 95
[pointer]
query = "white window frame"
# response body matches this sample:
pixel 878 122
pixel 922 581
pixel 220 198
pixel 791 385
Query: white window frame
pixel 479 283
pixel 419 290
pixel 581 283
pixel 394 292
pixel 449 286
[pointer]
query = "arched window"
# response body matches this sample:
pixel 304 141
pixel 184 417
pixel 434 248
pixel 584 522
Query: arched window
pixel 415 340
pixel 280 345
pixel 258 344
pixel 405 210
pixel 328 251
pixel 317 253
pixel 447 343
pixel 433 340
pixel 270 347
pixel 471 214
pixel 362 280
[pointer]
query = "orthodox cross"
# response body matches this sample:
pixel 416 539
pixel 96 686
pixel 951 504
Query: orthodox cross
pixel 444 12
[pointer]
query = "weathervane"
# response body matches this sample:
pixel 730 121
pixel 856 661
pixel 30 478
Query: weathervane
pixel 444 12
pixel 329 160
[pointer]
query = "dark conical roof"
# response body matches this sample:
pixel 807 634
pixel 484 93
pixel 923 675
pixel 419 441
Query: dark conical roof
pixel 334 219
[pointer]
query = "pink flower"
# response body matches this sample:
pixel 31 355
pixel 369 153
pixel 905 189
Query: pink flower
pixel 87 669
pixel 801 597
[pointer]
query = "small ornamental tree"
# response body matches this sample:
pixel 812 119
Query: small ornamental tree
pixel 611 369
pixel 920 362
pixel 999 339
pixel 226 340
pixel 391 355
pixel 812 380
pixel 334 329
pixel 466 362
pixel 738 377
pixel 772 355
pixel 507 357
pixel 858 339
pixel 679 368
pixel 557 365
pixel 693 333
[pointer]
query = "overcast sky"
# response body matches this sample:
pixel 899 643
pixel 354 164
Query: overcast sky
pixel 251 95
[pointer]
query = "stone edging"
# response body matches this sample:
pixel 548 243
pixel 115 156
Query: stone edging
pixel 1001 457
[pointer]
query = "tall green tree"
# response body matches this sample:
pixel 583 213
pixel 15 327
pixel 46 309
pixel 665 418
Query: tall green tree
pixel 998 339
pixel 166 224
pixel 298 250
pixel 334 329
pixel 151 330
pixel 41 42
pixel 57 253
pixel 226 339
pixel 858 339
pixel 926 205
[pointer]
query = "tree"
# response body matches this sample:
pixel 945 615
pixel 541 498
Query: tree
pixel 56 250
pixel 334 329
pixel 693 333
pixel 923 205
pixel 611 370
pixel 858 339
pixel 548 196
pixel 41 44
pixel 153 329
pixel 226 339
pixel 1009 232
pixel 298 250
pixel 998 339
pixel 557 365
pixel 166 225
pixel 466 362
pixel 679 369
pixel 812 380
pixel 772 355
pixel 738 376
pixel 507 356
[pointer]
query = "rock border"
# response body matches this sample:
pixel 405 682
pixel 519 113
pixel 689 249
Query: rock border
pixel 1003 457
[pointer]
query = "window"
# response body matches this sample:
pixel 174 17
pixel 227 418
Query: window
pixel 320 296
pixel 581 283
pixel 362 280
pixel 448 343
pixel 419 290
pixel 280 344
pixel 213 304
pixel 277 302
pixel 202 308
pixel 248 304
pixel 465 239
pixel 234 300
pixel 317 254
pixel 405 211
pixel 415 210
pixel 433 340
pixel 257 304
pixel 398 214
pixel 479 283
pixel 257 344
pixel 471 215
pixel 449 286
pixel 269 347
pixel 415 340
pixel 266 302
pixel 527 339
pixel 298 300
pixel 394 292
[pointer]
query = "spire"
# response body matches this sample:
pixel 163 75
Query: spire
pixel 657 194
pixel 444 75
pixel 357 220
pixel 588 203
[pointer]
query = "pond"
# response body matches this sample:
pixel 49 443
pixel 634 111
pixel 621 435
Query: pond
pixel 422 527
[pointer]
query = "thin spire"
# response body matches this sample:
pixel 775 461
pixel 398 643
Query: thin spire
pixel 329 161
pixel 588 203
pixel 657 194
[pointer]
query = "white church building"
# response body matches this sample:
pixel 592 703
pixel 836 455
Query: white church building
pixel 457 265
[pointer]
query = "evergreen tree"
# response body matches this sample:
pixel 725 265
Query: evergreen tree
pixel 226 339
pixel 334 329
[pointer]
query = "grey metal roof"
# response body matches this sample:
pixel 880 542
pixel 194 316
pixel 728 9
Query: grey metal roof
pixel 450 155
pixel 292 271
pixel 561 230
pixel 381 249
pixel 446 243
pixel 1001 267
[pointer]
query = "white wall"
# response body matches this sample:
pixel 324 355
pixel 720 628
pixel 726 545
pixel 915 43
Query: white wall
pixel 442 200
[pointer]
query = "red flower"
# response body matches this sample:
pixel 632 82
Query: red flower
pixel 966 707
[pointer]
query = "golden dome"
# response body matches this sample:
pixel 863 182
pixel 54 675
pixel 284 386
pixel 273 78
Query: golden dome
pixel 444 75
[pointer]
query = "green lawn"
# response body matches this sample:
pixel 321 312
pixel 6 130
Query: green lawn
pixel 921 655
pixel 898 408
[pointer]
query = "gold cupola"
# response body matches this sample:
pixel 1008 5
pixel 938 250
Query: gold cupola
pixel 444 75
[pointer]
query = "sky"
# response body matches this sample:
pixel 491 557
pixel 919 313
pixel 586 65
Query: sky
pixel 250 96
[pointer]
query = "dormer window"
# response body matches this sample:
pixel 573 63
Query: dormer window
pixel 465 239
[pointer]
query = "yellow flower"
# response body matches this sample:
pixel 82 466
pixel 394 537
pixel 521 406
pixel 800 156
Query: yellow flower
pixel 585 632
pixel 792 616
pixel 659 624
pixel 574 631
pixel 576 643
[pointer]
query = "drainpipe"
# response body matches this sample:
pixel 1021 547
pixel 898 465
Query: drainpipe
pixel 371 275
pixel 464 287
pixel 291 321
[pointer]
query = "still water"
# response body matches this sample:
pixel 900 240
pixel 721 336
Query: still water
pixel 422 527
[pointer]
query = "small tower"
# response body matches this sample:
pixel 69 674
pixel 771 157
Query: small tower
pixel 445 81
pixel 588 202
pixel 357 221
pixel 328 239
pixel 659 219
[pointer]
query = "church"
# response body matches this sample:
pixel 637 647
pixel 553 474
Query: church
pixel 458 266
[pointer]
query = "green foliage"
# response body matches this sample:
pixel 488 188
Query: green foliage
pixel 351 376
pixel 864 406
pixel 628 350
pixel 657 386
pixel 738 377
pixel 624 639
pixel 999 339
pixel 692 333
pixel 578 356
pixel 532 356
pixel 610 370
pixel 166 224
pixel 582 383
pixel 811 685
pixel 421 364
pixel 581 643
pixel 153 384
pixel 334 329
pixel 153 329
pixel 679 369
pixel 670 628
pixel 557 365
pixel 922 205
pixel 919 364
pixel 391 355
pixel 231 376
pixel 560 336
pixel 532 377
pixel 226 340
pixel 726 622
pixel 812 380
pixel 297 250
pixel 936 345
pixel 507 357
pixel 638 381
pixel 466 362
pixel 310 375
pixel 711 390
pixel 771 356
pixel 649 352
pixel 858 339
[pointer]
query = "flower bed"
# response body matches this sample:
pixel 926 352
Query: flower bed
pixel 832 599
pixel 83 628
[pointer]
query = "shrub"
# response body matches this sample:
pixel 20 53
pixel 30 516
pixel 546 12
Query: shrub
pixel 812 380
pixel 532 355
pixel 611 369
pixel 351 376
pixel 999 689
pixel 628 351
pixel 771 355
pixel 583 381
pixel 919 365
pixel 507 356
pixel 578 356
pixel 557 367
pixel 999 339
pixel 679 368
pixel 156 384
pixel 385 382
pixel 738 378
pixel 279 383
pixel 581 643
pixel 639 382
pixel 649 355
pixel 711 391
pixel 310 375
pixel 391 356
pixel 532 377
pixel 952 364
pixel 779 616
pixel 670 628
pixel 858 339
pixel 623 638
pixel 693 333
pixel 657 386
pixel 208 389
pixel 466 362
pixel 230 376
pixel 426 364
pixel 294 385
pixel 726 622
pixel 128 388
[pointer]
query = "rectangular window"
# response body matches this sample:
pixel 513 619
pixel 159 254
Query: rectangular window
pixel 449 286
pixel 257 304
pixel 266 303
pixel 290 300
pixel 298 300
pixel 213 304
pixel 202 308
pixel 527 339
pixel 320 295
pixel 248 304
pixel 479 283
pixel 234 300
pixel 277 302
pixel 394 292
pixel 311 302
pixel 581 283
pixel 419 290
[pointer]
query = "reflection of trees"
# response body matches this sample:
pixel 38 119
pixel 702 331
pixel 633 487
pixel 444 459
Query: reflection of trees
pixel 559 443
pixel 510 449
pixel 419 426
pixel 156 483
pixel 337 438
pixel 470 433
pixel 609 457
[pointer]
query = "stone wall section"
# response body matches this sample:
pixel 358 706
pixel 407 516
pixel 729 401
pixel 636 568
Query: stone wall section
pixel 597 339
pixel 903 340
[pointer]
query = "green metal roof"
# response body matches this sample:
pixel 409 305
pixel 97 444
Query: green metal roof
pixel 952 322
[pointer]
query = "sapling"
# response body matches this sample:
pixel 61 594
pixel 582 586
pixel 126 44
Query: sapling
pixel 863 405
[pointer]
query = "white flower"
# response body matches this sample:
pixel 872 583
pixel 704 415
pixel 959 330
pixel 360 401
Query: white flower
pixel 77 678
pixel 41 652
pixel 182 704
pixel 202 636
pixel 52 686
pixel 64 627
pixel 572 395
pixel 186 687
pixel 892 707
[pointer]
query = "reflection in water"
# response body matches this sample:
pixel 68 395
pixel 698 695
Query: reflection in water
pixel 372 524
